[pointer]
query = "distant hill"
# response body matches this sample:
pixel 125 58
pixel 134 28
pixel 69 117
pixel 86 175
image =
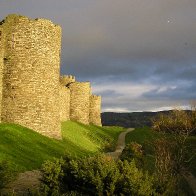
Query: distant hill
pixel 134 119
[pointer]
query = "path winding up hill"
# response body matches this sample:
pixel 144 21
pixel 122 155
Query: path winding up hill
pixel 120 145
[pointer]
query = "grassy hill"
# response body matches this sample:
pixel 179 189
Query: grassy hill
pixel 27 149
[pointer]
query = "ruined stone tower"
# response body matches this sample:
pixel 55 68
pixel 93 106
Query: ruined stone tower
pixel 30 61
pixel 95 110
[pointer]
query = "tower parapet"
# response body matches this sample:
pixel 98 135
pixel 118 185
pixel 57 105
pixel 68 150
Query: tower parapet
pixel 67 79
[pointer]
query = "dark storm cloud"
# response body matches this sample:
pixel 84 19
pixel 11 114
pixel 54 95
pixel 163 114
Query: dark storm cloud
pixel 150 43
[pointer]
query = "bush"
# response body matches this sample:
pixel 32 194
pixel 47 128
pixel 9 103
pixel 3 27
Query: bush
pixel 176 122
pixel 133 151
pixel 52 174
pixel 99 175
pixel 109 146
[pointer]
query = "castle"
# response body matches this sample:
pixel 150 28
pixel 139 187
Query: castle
pixel 32 92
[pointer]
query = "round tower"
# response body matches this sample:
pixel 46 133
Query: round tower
pixel 79 102
pixel 95 110
pixel 31 74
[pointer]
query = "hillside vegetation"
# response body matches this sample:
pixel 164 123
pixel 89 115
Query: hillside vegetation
pixel 132 119
pixel 146 136
pixel 27 149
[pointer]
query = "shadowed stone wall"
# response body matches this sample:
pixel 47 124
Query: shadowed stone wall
pixel 64 103
pixel 65 80
pixel 95 110
pixel 79 102
pixel 31 74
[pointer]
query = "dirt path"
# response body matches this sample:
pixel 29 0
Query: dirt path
pixel 120 145
pixel 26 182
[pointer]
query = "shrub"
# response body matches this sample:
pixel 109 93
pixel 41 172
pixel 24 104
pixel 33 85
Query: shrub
pixel 99 175
pixel 109 146
pixel 52 174
pixel 133 151
pixel 177 122
pixel 135 181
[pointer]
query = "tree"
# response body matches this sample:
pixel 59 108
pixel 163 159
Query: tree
pixel 171 150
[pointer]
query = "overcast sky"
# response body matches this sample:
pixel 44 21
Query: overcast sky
pixel 140 55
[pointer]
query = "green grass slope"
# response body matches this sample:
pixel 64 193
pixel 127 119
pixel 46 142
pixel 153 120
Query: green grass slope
pixel 28 149
pixel 144 136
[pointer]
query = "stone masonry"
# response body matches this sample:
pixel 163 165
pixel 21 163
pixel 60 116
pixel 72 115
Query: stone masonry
pixel 95 110
pixel 1 66
pixel 65 96
pixel 31 66
pixel 80 101
pixel 32 92
pixel 64 103
pixel 65 80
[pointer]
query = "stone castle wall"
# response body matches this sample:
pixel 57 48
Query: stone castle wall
pixel 95 110
pixel 79 102
pixel 64 103
pixel 65 80
pixel 32 92
pixel 31 66
pixel 1 66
